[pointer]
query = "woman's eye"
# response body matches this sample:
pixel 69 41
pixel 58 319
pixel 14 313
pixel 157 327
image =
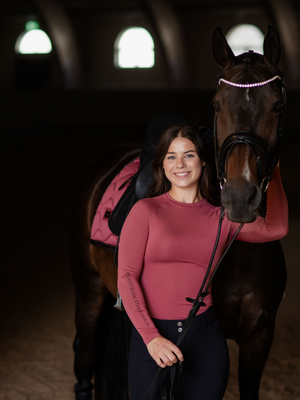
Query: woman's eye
pixel 189 155
pixel 171 158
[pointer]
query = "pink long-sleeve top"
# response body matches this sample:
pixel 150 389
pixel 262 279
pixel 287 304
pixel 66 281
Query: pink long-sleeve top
pixel 165 248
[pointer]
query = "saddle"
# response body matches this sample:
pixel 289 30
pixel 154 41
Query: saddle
pixel 138 189
pixel 136 185
pixel 129 186
pixel 140 184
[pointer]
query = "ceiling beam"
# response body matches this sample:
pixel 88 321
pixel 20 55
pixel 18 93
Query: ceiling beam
pixel 170 32
pixel 62 36
pixel 286 19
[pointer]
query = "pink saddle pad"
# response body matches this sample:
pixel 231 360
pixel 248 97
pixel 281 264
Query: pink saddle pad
pixel 100 231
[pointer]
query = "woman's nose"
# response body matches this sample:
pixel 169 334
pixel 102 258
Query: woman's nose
pixel 180 162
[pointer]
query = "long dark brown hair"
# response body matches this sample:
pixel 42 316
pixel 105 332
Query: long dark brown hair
pixel 161 184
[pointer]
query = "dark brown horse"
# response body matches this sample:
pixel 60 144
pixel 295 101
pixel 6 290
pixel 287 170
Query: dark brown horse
pixel 249 285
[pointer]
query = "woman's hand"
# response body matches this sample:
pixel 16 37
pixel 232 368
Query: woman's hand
pixel 164 352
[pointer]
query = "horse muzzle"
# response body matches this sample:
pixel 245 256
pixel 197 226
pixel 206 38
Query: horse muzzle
pixel 242 196
pixel 241 200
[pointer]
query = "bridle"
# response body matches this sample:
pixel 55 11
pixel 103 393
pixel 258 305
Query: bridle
pixel 253 141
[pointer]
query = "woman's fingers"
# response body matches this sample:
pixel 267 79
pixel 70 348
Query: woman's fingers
pixel 176 351
pixel 163 362
pixel 168 358
pixel 164 352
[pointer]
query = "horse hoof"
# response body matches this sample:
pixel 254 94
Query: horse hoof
pixel 84 393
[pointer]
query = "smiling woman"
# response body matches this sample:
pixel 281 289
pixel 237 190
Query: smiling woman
pixel 183 148
pixel 183 169
pixel 165 247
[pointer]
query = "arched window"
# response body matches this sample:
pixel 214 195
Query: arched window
pixel 134 48
pixel 244 37
pixel 33 40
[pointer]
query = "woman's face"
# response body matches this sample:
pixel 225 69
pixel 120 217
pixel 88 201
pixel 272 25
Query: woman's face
pixel 182 165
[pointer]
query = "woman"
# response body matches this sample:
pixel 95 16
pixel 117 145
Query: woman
pixel 165 248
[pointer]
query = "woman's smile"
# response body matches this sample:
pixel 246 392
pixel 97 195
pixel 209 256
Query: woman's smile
pixel 181 174
pixel 183 168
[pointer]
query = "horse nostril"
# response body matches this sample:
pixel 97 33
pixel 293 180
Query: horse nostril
pixel 242 200
pixel 254 198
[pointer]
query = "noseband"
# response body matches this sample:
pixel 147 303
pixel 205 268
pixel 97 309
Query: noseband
pixel 253 141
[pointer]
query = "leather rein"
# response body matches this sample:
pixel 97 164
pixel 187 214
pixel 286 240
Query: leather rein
pixel 197 303
pixel 253 141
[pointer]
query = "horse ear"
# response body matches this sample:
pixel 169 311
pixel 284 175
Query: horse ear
pixel 221 50
pixel 272 47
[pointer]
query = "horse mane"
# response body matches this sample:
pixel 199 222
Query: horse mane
pixel 250 59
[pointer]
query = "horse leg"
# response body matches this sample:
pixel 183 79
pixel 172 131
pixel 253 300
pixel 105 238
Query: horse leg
pixel 252 360
pixel 113 335
pixel 89 303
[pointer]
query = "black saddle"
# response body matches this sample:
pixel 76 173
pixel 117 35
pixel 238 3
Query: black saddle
pixel 140 182
pixel 138 189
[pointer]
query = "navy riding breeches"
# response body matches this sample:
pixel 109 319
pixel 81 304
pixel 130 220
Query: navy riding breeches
pixel 206 359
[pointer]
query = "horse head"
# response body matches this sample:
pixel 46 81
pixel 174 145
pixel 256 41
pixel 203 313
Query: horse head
pixel 249 106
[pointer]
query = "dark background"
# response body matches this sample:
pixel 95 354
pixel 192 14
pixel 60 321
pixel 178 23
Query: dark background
pixel 60 111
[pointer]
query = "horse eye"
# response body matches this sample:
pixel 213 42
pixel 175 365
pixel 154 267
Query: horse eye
pixel 278 106
pixel 216 106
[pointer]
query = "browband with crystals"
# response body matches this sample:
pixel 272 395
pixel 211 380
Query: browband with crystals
pixel 249 85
